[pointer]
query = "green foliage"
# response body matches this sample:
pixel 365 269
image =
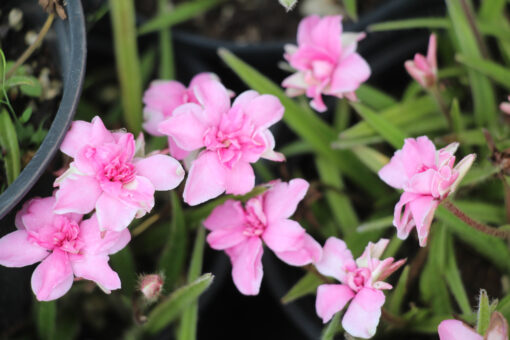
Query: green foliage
pixel 9 147
pixel 306 285
pixel 46 317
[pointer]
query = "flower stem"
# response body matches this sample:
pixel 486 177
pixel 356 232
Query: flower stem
pixel 28 52
pixel 434 91
pixel 504 234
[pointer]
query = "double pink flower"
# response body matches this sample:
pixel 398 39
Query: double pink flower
pixel 106 176
pixel 362 282
pixel 326 61
pixel 240 231
pixel 228 138
pixel 67 246
pixel 427 176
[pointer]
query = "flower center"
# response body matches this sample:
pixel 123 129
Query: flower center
pixel 358 278
pixel 117 171
pixel 255 218
pixel 62 234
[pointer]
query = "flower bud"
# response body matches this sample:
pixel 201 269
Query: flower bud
pixel 151 286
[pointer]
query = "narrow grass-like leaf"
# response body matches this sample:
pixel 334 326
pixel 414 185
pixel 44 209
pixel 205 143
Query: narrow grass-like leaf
pixel 173 256
pixel 296 148
pixel 491 9
pixel 333 327
pixel 484 314
pixel 454 280
pixel 307 125
pixel 458 123
pixel 375 98
pixel 484 100
pixel 46 319
pixel 122 13
pixel 179 13
pixel 377 224
pixel 428 22
pixel 342 115
pixel 504 306
pixel 166 53
pixel 124 264
pixel 386 129
pixel 147 67
pixel 189 319
pixel 306 285
pixel 396 298
pixel 9 145
pixel 170 308
pixel 483 211
pixel 373 159
pixel 393 247
pixel 499 73
pixel 490 247
pixel 351 9
pixel 339 203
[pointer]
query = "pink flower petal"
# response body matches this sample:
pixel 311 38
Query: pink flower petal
pixel 423 210
pixel 186 126
pixel 16 250
pixel 417 153
pixel 404 221
pixel 498 327
pixel 96 268
pixel 247 265
pixel 245 98
pixel 214 98
pixel 160 100
pixel 269 153
pixel 240 179
pixel 82 201
pixel 152 119
pixel 176 151
pixel 226 216
pixel 113 214
pixel 311 251
pixel 331 298
pixel 394 173
pixel 326 34
pixel 206 179
pixel 432 52
pixel 53 277
pixel 264 110
pixel 456 330
pixel 164 172
pixel 221 239
pixel 97 242
pixel 38 212
pixel 84 133
pixel 305 29
pixel 362 316
pixel 284 235
pixel 282 199
pixel 349 74
pixel 422 183
pixel 335 257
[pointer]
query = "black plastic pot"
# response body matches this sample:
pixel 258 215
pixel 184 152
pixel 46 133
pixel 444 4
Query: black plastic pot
pixel 68 41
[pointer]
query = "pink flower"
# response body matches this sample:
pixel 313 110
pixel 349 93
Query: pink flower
pixel 162 98
pixel 457 330
pixel 151 286
pixel 505 107
pixel 427 177
pixel 231 139
pixel 240 231
pixel 424 70
pixel 67 247
pixel 107 177
pixel 326 61
pixel 362 282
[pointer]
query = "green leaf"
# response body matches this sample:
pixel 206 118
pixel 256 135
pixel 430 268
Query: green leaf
pixel 484 100
pixel 170 308
pixel 396 298
pixel 308 126
pixel 351 9
pixel 484 313
pixel 9 145
pixel 166 49
pixel 373 159
pixel 173 256
pixel 339 203
pixel 504 306
pixel 288 4
pixel 306 285
pixel 124 264
pixel 485 212
pixel 454 280
pixel 46 318
pixel 375 98
pixel 393 247
pixel 296 148
pixel 188 326
pixel 377 224
pixel 147 62
pixel 457 122
pixel 122 14
pixel 383 127
pixel 499 73
pixel 180 13
pixel 25 116
pixel 490 247
pixel 28 85
pixel 491 9
pixel 332 328
pixel 429 23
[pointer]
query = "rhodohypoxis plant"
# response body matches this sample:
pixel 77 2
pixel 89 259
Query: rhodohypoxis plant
pixel 68 247
pixel 162 98
pixel 105 175
pixel 239 231
pixel 229 137
pixel 362 281
pixel 427 177
pixel 326 61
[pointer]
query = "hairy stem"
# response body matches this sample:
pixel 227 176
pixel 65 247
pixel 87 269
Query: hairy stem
pixel 28 52
pixel 434 91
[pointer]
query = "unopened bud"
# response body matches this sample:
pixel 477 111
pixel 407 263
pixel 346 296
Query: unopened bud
pixel 151 286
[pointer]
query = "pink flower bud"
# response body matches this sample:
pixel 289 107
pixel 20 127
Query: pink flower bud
pixel 505 107
pixel 151 286
pixel 424 69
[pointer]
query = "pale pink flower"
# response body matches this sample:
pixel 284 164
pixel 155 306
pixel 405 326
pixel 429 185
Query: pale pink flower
pixel 362 282
pixel 424 69
pixel 427 177
pixel 239 231
pixel 105 175
pixel 326 61
pixel 67 247
pixel 230 139
pixel 162 98
pixel 457 330
pixel 505 106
